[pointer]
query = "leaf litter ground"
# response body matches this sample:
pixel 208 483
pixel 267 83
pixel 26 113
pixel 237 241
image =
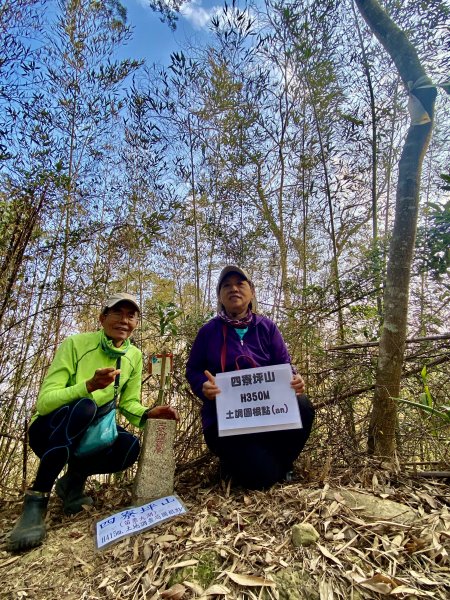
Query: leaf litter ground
pixel 235 544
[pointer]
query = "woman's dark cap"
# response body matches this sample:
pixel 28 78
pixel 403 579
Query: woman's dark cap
pixel 234 269
pixel 231 269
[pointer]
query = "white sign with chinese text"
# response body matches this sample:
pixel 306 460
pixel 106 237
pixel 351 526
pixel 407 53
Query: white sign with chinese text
pixel 136 519
pixel 255 400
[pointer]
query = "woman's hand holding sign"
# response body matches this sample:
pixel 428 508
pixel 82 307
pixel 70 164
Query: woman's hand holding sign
pixel 298 384
pixel 209 388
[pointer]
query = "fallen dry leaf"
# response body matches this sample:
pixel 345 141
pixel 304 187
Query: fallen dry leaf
pixel 104 583
pixel 379 583
pixel 249 580
pixel 9 561
pixel 176 592
pixel 329 555
pixel 216 590
pixel 422 579
pixel 166 538
pixel 404 589
pixel 184 563
pixel 195 587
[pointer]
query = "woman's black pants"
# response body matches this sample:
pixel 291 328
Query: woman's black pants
pixel 258 460
pixel 54 438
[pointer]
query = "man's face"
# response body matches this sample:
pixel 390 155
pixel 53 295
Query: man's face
pixel 120 321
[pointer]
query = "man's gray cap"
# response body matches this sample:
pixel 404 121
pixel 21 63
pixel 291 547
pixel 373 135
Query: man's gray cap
pixel 121 297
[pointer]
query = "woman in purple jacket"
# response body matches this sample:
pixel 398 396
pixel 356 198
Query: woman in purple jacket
pixel 237 338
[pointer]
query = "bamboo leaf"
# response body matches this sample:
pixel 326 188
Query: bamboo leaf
pixel 249 580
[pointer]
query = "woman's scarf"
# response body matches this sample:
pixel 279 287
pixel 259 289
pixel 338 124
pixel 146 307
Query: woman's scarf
pixel 109 348
pixel 238 323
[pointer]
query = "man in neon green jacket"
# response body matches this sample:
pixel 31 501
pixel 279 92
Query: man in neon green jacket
pixel 91 373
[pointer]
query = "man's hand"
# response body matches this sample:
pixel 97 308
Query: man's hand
pixel 298 384
pixel 163 412
pixel 209 388
pixel 101 379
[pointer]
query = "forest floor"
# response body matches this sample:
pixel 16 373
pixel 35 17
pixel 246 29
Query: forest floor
pixel 234 544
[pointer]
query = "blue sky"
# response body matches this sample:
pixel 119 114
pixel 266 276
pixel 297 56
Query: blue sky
pixel 154 40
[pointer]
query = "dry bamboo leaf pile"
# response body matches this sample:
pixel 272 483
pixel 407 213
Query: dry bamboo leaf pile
pixel 238 545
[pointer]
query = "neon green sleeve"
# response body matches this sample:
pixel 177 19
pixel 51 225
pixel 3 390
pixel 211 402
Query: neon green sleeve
pixel 59 386
pixel 130 395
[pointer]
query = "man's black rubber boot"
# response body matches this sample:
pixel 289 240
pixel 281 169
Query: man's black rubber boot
pixel 70 488
pixel 30 530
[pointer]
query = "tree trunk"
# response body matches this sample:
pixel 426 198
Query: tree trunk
pixel 377 276
pixel 392 343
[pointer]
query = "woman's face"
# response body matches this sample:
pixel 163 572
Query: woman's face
pixel 235 295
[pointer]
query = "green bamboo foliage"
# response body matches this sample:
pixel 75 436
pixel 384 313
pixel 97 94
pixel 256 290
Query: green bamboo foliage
pixel 275 145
